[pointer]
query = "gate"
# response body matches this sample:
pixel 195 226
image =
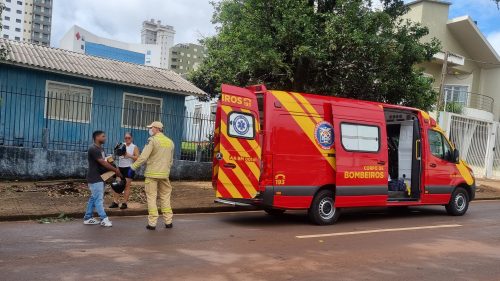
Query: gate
pixel 476 140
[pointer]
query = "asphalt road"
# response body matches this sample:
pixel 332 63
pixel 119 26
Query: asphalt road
pixel 420 244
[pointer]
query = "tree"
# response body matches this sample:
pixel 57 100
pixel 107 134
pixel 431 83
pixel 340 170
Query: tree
pixel 3 50
pixel 332 47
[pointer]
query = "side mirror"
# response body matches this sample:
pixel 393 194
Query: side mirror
pixel 455 156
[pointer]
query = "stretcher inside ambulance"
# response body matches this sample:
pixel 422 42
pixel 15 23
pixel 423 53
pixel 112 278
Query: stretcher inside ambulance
pixel 281 150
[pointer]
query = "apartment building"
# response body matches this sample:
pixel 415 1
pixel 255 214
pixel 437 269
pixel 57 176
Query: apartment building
pixel 27 20
pixel 186 57
pixel 154 33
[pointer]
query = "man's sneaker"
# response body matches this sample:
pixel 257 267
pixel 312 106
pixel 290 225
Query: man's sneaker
pixel 114 205
pixel 149 227
pixel 169 225
pixel 124 206
pixel 106 222
pixel 91 221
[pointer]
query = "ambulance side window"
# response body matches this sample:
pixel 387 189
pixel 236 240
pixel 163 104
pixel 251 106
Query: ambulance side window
pixel 360 138
pixel 241 125
pixel 439 146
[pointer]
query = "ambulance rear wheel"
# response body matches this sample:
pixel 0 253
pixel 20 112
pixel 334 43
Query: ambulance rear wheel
pixel 274 212
pixel 459 202
pixel 322 210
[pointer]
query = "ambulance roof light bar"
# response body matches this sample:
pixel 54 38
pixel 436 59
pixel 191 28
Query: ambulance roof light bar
pixel 257 89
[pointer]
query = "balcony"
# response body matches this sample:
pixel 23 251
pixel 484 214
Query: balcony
pixel 469 104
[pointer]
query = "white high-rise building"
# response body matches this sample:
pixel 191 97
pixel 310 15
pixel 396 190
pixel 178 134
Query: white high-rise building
pixel 27 20
pixel 154 33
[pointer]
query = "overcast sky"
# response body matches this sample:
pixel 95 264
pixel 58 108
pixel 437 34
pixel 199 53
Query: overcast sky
pixel 122 19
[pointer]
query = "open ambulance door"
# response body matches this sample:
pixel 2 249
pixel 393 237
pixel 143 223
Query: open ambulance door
pixel 237 152
pixel 361 156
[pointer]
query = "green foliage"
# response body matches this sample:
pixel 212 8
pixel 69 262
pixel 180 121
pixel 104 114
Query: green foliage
pixel 332 47
pixel 3 50
pixel 453 107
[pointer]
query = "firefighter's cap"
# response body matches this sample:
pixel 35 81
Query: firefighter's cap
pixel 156 124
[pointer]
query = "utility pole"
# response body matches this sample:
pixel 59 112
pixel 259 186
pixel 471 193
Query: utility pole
pixel 444 72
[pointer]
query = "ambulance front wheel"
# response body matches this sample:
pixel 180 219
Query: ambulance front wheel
pixel 322 210
pixel 459 202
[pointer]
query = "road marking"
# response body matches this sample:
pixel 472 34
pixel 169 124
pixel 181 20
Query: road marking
pixel 378 231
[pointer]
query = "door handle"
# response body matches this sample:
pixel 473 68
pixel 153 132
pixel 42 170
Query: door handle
pixel 433 165
pixel 230 165
pixel 381 162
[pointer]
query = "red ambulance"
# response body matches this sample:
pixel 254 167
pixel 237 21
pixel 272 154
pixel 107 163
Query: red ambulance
pixel 282 150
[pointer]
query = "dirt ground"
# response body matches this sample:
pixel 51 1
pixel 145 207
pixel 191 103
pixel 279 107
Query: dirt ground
pixel 70 196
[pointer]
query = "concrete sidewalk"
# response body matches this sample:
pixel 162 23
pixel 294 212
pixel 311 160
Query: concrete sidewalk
pixel 50 199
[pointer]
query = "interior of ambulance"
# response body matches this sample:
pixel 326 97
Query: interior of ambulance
pixel 403 142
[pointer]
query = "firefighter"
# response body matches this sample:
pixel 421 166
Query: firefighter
pixel 158 156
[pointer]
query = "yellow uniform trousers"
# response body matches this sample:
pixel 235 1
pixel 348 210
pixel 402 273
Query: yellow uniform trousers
pixel 162 188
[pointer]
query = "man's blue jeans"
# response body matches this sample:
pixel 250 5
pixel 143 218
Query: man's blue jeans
pixel 96 200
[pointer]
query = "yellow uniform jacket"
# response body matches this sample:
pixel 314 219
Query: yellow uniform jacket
pixel 158 154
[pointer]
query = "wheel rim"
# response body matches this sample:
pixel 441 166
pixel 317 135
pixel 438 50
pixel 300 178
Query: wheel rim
pixel 460 202
pixel 326 209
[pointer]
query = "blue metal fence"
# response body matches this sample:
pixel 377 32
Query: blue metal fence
pixel 56 121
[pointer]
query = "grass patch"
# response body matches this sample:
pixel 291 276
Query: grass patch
pixel 61 218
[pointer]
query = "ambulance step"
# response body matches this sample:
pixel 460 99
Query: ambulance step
pixel 232 203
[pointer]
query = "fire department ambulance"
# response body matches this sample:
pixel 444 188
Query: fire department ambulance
pixel 281 150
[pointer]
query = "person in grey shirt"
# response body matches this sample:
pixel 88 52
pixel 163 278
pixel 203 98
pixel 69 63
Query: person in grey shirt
pixel 97 166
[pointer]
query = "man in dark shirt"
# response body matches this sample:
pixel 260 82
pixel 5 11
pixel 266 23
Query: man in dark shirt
pixel 97 166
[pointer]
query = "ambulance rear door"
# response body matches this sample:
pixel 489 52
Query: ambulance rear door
pixel 237 153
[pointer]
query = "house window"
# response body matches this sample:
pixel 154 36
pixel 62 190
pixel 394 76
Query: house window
pixel 197 114
pixel 140 111
pixel 456 94
pixel 362 138
pixel 68 102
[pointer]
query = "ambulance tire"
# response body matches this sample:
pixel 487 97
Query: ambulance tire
pixel 322 210
pixel 459 202
pixel 274 212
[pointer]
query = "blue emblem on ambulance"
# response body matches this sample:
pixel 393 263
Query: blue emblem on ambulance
pixel 324 135
pixel 241 125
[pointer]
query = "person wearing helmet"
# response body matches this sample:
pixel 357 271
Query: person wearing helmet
pixel 130 155
pixel 97 166
pixel 158 156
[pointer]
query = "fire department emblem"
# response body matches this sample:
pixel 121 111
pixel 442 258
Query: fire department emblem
pixel 324 135
pixel 241 125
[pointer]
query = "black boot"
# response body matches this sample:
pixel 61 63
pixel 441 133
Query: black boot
pixel 169 225
pixel 114 205
pixel 149 227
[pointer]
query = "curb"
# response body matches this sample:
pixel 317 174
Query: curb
pixel 126 213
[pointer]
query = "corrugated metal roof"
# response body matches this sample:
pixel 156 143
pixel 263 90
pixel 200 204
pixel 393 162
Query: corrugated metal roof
pixel 96 68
